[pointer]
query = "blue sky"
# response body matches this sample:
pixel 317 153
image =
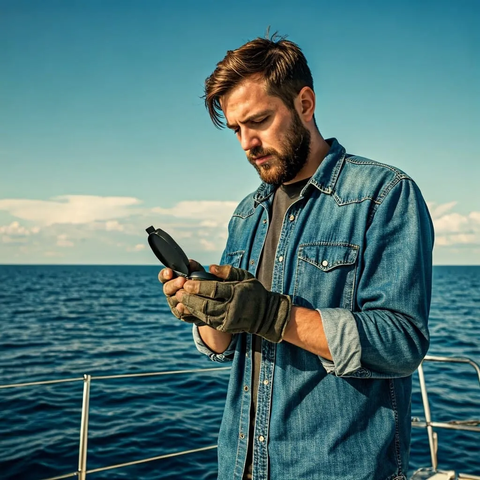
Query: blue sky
pixel 103 130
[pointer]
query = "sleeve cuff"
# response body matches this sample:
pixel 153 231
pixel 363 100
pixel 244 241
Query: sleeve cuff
pixel 226 356
pixel 343 341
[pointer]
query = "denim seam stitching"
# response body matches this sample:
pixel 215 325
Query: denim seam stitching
pixel 237 463
pixel 397 433
pixel 354 284
pixel 342 203
pixel 236 253
pixel 365 161
pixel 383 195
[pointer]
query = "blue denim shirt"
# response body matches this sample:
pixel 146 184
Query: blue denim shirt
pixel 357 247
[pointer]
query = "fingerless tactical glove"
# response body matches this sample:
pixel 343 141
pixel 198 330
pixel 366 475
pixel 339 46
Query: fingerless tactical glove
pixel 240 304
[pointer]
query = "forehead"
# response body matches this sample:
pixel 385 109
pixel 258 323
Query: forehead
pixel 247 98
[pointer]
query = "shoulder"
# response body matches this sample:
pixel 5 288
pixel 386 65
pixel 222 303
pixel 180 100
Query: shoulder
pixel 364 179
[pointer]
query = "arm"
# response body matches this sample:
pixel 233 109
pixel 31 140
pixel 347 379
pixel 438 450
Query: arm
pixel 305 330
pixel 216 341
pixel 387 331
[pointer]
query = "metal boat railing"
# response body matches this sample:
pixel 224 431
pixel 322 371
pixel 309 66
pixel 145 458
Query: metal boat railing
pixel 82 472
pixel 465 425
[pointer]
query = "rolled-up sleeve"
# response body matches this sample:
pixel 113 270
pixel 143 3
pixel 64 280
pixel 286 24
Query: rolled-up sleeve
pixel 386 335
pixel 224 357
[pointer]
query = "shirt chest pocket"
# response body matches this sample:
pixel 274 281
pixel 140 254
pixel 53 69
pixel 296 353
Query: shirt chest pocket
pixel 234 258
pixel 325 275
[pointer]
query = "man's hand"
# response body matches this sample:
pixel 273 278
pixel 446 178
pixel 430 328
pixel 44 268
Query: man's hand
pixel 172 285
pixel 238 304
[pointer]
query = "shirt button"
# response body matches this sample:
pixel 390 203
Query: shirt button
pixel 252 262
pixel 324 263
pixel 242 436
pixel 245 388
pixel 264 221
pixel 265 382
pixel 280 259
pixel 261 438
pixel 291 218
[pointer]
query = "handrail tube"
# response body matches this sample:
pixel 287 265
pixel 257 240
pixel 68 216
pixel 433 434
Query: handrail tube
pixel 448 426
pixel 173 372
pixel 426 408
pixel 107 377
pixel 434 358
pixel 61 477
pixel 145 460
pixel 43 382
pixel 82 449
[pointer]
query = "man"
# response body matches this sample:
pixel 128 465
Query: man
pixel 324 307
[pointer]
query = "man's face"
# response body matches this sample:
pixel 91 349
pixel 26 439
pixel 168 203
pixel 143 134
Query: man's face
pixel 276 142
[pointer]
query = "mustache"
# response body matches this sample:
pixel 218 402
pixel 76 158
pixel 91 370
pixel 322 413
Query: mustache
pixel 256 152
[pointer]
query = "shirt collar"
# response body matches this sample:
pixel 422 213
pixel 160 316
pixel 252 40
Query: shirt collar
pixel 324 178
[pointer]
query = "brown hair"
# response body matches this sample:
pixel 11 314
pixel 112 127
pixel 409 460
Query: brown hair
pixel 279 61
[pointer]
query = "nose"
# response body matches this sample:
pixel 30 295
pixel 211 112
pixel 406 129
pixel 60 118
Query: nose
pixel 249 139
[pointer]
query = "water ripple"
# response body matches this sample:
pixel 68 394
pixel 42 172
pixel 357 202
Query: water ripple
pixel 65 321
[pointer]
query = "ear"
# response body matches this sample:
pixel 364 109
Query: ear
pixel 305 103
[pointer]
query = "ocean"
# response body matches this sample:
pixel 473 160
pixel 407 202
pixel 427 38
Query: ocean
pixel 59 322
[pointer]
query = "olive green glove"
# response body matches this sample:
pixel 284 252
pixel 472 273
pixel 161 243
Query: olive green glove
pixel 173 302
pixel 240 304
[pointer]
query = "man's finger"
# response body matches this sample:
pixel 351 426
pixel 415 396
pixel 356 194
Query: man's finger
pixel 171 287
pixel 182 309
pixel 229 273
pixel 165 275
pixel 221 271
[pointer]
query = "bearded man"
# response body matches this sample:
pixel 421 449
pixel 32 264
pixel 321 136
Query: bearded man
pixel 327 282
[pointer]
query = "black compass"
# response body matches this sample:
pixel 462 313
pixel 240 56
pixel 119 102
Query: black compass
pixel 167 250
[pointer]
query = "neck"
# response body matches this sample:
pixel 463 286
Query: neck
pixel 318 151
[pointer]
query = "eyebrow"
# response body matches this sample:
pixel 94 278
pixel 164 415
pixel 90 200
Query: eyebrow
pixel 255 116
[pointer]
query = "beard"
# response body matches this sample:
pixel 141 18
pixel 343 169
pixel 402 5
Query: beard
pixel 285 164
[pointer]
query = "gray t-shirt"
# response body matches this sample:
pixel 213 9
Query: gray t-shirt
pixel 285 195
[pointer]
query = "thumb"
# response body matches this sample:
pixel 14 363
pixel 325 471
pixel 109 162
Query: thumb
pixel 221 271
pixel 229 273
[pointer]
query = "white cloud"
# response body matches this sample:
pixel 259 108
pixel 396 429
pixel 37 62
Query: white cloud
pixel 437 211
pixel 455 239
pixel 17 230
pixel 62 241
pixel 452 228
pixel 453 222
pixel 70 209
pixel 474 217
pixel 114 226
pixel 199 226
pixel 208 245
pixel 52 254
pixel 16 233
pixel 213 212
pixel 78 229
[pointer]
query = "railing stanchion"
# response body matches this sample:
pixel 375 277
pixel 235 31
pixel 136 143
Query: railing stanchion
pixel 82 451
pixel 428 419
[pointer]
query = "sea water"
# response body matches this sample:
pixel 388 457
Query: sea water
pixel 59 322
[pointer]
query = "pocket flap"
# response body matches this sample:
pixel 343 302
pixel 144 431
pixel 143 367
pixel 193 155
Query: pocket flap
pixel 327 256
pixel 234 258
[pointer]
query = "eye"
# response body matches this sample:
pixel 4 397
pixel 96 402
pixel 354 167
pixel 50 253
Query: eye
pixel 259 122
